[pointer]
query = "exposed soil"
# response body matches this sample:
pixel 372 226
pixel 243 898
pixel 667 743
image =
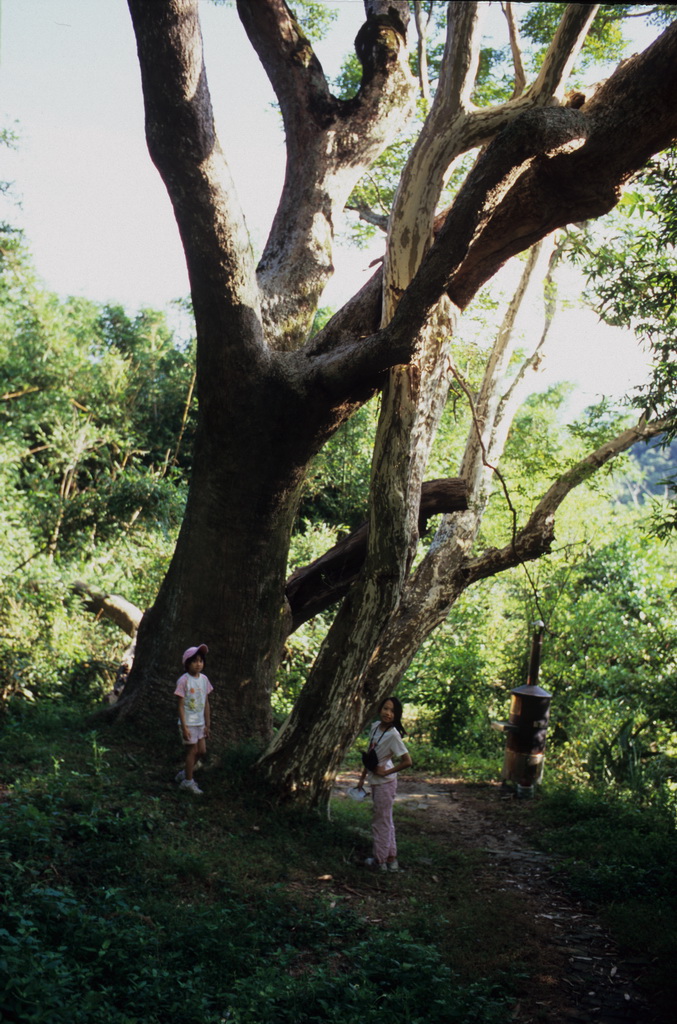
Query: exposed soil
pixel 576 973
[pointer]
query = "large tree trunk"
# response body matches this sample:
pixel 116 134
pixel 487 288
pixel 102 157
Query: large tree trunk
pixel 224 588
pixel 413 399
pixel 269 399
pixel 262 416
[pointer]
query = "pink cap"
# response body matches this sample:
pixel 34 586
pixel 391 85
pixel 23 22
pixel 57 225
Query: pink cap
pixel 192 651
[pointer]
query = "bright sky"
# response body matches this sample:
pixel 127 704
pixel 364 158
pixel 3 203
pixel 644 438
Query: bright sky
pixel 96 215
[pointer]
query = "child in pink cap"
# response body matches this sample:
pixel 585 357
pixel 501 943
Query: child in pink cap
pixel 193 689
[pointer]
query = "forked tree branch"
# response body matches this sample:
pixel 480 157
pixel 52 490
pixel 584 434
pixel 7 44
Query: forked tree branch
pixel 330 143
pixel 563 50
pixel 449 567
pixel 547 168
pixel 515 49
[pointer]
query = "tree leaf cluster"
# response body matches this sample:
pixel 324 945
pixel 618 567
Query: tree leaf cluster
pixel 631 269
pixel 96 411
pixel 630 262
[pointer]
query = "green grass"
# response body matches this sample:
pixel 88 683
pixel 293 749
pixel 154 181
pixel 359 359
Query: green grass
pixel 125 900
pixel 613 850
pixel 621 858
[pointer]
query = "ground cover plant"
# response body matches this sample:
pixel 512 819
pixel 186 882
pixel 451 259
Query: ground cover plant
pixel 124 900
pixel 620 857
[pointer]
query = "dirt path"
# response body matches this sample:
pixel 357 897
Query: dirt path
pixel 578 975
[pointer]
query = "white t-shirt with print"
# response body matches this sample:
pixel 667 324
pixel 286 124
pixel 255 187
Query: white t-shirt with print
pixel 387 744
pixel 194 690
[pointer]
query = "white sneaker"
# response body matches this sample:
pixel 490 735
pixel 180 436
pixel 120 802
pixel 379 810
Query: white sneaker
pixel 371 862
pixel 393 865
pixel 192 786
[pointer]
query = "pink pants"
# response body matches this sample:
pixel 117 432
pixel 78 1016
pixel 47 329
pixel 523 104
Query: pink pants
pixel 382 826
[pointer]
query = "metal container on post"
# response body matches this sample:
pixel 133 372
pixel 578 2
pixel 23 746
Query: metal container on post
pixel 527 726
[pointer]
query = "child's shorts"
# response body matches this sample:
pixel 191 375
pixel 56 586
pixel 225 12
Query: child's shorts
pixel 196 733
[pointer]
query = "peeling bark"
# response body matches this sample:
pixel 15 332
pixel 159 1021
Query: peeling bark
pixel 330 143
pixel 414 394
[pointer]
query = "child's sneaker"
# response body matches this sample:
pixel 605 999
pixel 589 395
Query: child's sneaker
pixel 393 865
pixel 192 786
pixel 180 775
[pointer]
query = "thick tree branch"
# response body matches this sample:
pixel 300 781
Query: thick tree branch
pixel 547 168
pixel 536 537
pixel 453 123
pixel 183 145
pixel 411 220
pixel 563 51
pixel 291 65
pixel 315 587
pixel 330 143
pixel 481 125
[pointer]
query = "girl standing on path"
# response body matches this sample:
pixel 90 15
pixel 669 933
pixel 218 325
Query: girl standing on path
pixel 385 739
pixel 193 689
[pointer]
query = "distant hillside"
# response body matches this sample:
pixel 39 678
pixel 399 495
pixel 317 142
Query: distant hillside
pixel 652 466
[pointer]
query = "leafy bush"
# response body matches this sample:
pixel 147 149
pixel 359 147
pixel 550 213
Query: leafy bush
pixel 620 857
pixel 612 849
